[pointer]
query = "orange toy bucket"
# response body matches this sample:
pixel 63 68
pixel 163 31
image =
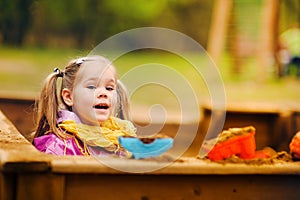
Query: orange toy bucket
pixel 243 146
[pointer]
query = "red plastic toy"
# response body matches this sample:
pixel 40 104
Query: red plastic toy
pixel 243 146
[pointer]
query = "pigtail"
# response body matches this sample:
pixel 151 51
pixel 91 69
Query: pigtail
pixel 122 106
pixel 48 106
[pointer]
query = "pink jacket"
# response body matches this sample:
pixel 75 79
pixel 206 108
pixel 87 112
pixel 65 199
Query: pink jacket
pixel 52 144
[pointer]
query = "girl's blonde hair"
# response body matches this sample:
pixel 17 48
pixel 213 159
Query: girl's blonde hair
pixel 51 102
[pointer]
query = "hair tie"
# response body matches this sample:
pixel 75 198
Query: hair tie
pixel 58 72
pixel 79 61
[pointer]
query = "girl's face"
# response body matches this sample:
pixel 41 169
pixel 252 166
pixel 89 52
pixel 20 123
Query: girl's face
pixel 94 92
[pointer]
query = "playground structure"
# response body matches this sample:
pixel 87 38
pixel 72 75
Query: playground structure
pixel 255 37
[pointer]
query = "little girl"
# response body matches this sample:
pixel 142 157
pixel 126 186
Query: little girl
pixel 87 115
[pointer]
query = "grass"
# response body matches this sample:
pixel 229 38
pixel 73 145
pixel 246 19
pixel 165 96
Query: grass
pixel 24 69
pixel 160 75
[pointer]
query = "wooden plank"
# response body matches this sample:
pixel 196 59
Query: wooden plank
pixel 20 111
pixel 7 186
pixel 179 187
pixel 44 186
pixel 257 106
pixel 16 153
pixel 188 166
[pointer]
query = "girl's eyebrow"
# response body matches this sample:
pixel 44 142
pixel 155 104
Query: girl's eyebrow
pixel 111 80
pixel 91 79
pixel 97 79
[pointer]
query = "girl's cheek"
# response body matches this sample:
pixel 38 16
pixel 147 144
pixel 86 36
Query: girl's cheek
pixel 91 93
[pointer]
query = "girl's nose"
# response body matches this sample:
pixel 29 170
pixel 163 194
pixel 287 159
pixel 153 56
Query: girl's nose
pixel 101 94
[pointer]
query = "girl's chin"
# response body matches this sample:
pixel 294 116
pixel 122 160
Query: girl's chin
pixel 102 118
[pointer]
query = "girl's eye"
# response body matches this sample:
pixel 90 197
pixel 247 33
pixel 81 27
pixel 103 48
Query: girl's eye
pixel 91 87
pixel 110 88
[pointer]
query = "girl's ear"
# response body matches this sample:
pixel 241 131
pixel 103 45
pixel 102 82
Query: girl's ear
pixel 67 96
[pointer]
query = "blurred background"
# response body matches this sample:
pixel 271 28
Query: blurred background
pixel 242 37
pixel 83 24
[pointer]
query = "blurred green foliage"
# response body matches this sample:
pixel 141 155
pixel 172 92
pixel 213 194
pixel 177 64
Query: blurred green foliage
pixel 77 23
pixel 84 24
pixel 15 19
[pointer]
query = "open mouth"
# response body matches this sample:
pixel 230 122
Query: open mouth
pixel 101 106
